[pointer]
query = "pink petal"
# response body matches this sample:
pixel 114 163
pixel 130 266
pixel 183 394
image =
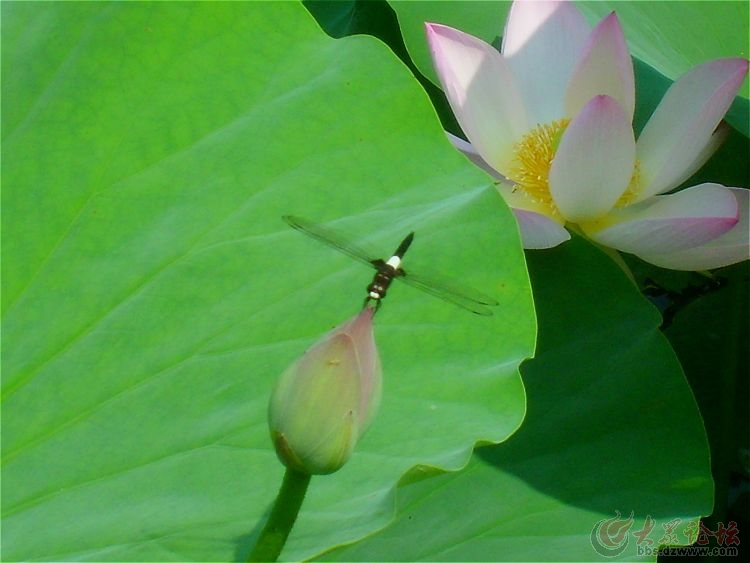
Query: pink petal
pixel 542 42
pixel 538 228
pixel 471 153
pixel 594 162
pixel 713 143
pixel 680 128
pixel 605 67
pixel 669 223
pixel 729 248
pixel 539 231
pixel 360 331
pixel 481 90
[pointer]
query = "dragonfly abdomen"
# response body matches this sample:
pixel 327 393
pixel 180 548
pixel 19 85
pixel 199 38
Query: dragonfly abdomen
pixel 381 281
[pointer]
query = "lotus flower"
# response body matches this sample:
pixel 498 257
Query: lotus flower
pixel 324 402
pixel 550 116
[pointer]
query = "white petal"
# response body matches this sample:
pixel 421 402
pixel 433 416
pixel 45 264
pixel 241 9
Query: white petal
pixel 482 92
pixel 594 162
pixel 605 67
pixel 538 228
pixel 680 128
pixel 712 145
pixel 542 42
pixel 669 223
pixel 730 248
pixel 539 231
pixel 471 153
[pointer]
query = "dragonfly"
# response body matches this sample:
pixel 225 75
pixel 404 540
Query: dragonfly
pixel 387 270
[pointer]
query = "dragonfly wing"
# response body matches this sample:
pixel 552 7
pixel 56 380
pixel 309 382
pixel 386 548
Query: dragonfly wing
pixel 448 290
pixel 329 236
pixel 451 291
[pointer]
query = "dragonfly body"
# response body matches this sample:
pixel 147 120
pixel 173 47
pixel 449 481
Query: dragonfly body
pixel 388 270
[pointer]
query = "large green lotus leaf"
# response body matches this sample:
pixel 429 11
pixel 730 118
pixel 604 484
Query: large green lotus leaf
pixel 671 37
pixel 708 324
pixel 611 426
pixel 152 294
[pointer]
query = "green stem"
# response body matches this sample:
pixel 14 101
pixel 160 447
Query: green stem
pixel 273 537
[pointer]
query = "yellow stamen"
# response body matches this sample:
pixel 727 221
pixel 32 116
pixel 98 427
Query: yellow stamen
pixel 634 187
pixel 533 160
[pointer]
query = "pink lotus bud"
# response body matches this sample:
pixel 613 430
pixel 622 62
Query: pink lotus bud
pixel 325 400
